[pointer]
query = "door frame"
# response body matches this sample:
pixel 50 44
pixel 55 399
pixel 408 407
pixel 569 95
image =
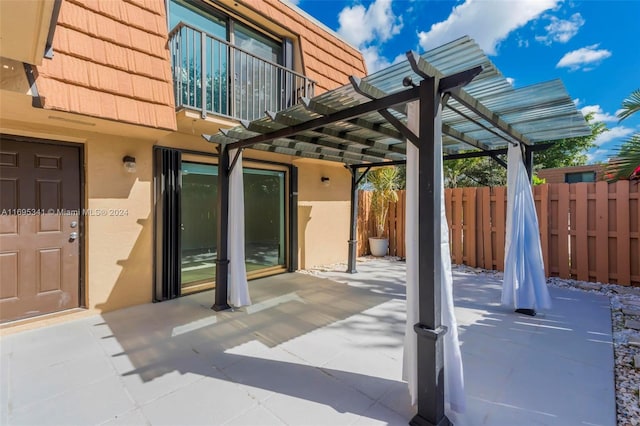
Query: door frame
pixel 82 291
pixel 290 210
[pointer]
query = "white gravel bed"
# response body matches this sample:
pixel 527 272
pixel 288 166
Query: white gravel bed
pixel 625 310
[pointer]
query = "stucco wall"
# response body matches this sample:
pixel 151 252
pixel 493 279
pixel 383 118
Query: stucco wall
pixel 119 244
pixel 118 251
pixel 323 213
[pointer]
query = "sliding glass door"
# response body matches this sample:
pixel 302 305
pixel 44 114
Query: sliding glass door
pixel 199 219
pixel 265 195
pixel 265 218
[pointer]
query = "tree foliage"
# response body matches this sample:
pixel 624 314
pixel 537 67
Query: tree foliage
pixel 571 151
pixel 627 161
pixel 384 182
pixel 487 172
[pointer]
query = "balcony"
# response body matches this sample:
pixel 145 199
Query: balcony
pixel 213 76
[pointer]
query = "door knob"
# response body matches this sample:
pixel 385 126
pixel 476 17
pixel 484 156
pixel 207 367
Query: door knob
pixel 73 236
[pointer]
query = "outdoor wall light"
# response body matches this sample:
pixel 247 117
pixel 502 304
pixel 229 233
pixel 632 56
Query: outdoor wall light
pixel 129 163
pixel 325 180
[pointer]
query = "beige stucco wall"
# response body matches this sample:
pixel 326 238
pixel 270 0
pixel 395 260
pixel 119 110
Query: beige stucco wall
pixel 119 224
pixel 323 213
pixel 119 244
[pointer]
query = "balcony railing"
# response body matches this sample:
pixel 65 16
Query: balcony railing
pixel 213 76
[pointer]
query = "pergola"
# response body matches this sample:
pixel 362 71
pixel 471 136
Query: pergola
pixel 364 124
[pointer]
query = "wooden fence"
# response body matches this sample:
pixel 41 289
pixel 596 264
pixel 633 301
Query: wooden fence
pixel 589 231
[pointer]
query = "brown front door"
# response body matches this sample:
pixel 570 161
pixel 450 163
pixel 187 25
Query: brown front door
pixel 39 228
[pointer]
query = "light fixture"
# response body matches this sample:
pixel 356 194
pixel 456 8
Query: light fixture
pixel 129 163
pixel 325 180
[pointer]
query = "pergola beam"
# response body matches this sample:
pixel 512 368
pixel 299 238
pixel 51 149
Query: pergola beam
pixel 453 81
pixel 292 142
pixel 424 69
pixel 342 115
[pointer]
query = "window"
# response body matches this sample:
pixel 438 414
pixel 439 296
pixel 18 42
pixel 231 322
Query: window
pixel 580 177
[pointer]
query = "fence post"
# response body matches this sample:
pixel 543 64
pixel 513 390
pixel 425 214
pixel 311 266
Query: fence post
pixel 623 241
pixel 602 232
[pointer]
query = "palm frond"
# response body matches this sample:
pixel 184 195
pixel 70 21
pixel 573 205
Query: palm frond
pixel 626 161
pixel 630 106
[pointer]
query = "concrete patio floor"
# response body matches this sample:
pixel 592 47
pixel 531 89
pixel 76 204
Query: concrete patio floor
pixel 310 350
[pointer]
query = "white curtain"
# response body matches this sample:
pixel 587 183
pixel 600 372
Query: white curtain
pixel 453 377
pixel 238 288
pixel 524 285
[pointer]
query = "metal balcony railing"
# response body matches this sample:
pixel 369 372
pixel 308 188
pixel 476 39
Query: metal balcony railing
pixel 213 76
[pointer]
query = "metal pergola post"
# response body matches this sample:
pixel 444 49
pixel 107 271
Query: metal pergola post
pixel 353 229
pixel 429 329
pixel 222 261
pixel 528 161
pixel 353 218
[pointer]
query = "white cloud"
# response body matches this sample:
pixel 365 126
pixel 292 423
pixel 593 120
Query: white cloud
pixel 561 30
pixel 361 26
pixel 598 155
pixel 577 101
pixel 598 113
pixel 368 28
pixel 377 62
pixel 613 133
pixel 510 80
pixel 582 57
pixel 488 22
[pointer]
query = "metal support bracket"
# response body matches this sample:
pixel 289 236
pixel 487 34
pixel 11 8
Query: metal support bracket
pixel 368 92
pixel 424 331
pixel 235 160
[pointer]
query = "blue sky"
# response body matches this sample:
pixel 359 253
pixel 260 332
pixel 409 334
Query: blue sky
pixel 592 46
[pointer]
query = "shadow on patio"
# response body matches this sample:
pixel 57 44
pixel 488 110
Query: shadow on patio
pixel 312 349
pixel 335 346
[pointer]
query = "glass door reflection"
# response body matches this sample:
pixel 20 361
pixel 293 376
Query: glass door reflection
pixel 265 217
pixel 198 228
pixel 265 223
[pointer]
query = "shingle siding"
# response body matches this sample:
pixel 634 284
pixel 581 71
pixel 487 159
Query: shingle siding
pixel 326 59
pixel 111 61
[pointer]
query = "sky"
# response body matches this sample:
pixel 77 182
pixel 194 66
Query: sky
pixel 592 46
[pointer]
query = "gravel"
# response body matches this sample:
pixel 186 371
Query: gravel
pixel 625 316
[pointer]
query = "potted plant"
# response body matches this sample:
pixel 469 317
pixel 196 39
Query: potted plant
pixel 384 181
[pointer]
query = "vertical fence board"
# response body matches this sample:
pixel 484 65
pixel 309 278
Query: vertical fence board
pixel 564 265
pixel 581 233
pixel 469 229
pixel 400 220
pixel 602 232
pixel 448 211
pixel 479 227
pixel 543 220
pixel 456 219
pixel 587 231
pixel 500 226
pixel 622 229
pixel 392 229
pixel 634 231
pixel 486 227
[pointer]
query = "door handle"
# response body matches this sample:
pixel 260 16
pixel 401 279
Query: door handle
pixel 73 236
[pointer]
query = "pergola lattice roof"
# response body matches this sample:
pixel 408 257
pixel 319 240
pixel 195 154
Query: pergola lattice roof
pixel 484 116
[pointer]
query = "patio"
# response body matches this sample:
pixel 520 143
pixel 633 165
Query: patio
pixel 321 348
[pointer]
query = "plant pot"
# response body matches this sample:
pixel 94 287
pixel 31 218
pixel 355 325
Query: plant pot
pixel 378 246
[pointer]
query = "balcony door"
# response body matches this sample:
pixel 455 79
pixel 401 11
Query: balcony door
pixel 224 66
